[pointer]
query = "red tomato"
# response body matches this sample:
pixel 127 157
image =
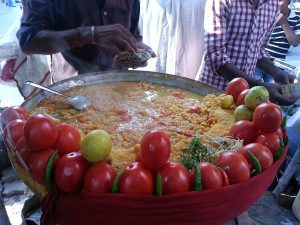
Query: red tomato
pixel 13 113
pixel 136 179
pixel 224 177
pixel 235 165
pixel 99 178
pixel 23 149
pixel 261 152
pixel 68 139
pixel 243 130
pixel 175 178
pixel 236 86
pixel 211 177
pixel 37 165
pixel 272 141
pixel 13 131
pixel 267 117
pixel 69 172
pixel 40 132
pixel 241 97
pixel 155 149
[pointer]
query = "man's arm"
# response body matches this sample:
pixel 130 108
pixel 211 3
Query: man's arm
pixel 38 35
pixel 279 75
pixel 114 37
pixel 50 42
pixel 265 64
pixel 292 38
pixel 229 72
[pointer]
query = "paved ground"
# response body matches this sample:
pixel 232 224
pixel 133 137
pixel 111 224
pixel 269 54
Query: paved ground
pixel 9 94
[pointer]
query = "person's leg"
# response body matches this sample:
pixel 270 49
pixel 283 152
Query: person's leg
pixel 258 74
pixel 267 78
pixel 261 75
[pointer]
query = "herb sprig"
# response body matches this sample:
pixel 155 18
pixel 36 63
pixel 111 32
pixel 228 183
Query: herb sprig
pixel 196 152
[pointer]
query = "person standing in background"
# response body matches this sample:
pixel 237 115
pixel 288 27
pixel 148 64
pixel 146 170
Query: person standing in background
pixel 236 34
pixel 174 30
pixel 285 34
pixel 88 36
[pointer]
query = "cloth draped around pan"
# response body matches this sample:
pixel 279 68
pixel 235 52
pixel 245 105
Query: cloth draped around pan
pixel 209 207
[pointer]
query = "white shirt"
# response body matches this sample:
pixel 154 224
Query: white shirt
pixel 174 30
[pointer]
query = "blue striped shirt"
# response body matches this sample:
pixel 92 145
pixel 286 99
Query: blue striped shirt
pixel 278 45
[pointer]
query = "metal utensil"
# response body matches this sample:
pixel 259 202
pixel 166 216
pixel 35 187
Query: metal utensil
pixel 78 102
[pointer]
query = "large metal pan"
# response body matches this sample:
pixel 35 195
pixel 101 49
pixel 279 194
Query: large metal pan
pixel 124 76
pixel 208 207
pixel 102 78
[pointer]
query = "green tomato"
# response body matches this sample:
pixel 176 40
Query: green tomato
pixel 256 96
pixel 242 112
pixel 96 146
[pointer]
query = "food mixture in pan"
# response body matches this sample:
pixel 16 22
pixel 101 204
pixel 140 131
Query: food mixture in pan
pixel 127 110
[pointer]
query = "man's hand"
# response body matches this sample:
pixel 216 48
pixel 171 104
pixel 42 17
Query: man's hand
pixel 283 77
pixel 146 48
pixel 134 64
pixel 276 94
pixel 115 37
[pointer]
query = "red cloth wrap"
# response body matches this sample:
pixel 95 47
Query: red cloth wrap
pixel 211 207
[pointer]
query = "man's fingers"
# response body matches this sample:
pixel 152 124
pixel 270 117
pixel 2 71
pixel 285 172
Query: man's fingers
pixel 115 50
pixel 147 49
pixel 116 38
pixel 282 100
pixel 126 45
pixel 127 35
pixel 292 78
pixel 152 53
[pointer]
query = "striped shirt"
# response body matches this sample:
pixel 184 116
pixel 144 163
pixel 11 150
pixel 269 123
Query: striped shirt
pixel 278 46
pixel 235 32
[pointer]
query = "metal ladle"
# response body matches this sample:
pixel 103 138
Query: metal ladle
pixel 78 102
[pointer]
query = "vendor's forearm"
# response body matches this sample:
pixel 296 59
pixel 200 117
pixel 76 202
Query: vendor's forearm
pixel 229 71
pixel 268 67
pixel 50 42
pixel 292 38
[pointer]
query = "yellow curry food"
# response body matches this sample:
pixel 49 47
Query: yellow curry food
pixel 127 110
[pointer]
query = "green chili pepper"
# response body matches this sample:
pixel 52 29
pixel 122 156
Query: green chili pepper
pixel 115 186
pixel 286 140
pixel 283 123
pixel 49 175
pixel 159 184
pixel 255 162
pixel 280 151
pixel 198 184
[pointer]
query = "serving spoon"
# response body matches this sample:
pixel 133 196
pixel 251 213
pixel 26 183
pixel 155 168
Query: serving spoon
pixel 78 102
